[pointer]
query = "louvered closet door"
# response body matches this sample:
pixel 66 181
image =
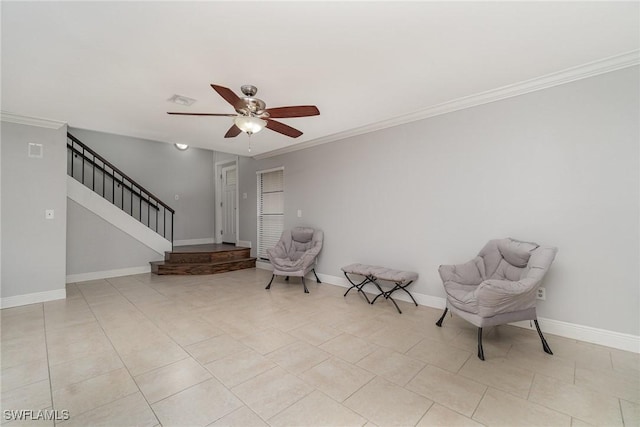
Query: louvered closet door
pixel 229 179
pixel 270 209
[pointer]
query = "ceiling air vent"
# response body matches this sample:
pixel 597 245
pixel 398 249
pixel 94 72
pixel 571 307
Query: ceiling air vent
pixel 181 100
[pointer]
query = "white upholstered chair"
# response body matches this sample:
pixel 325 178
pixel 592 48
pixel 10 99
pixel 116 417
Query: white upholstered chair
pixel 295 254
pixel 498 286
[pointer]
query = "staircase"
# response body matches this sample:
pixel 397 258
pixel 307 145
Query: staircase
pixel 107 181
pixel 105 190
pixel 204 259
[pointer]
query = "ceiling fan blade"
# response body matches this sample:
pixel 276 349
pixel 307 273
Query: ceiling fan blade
pixel 203 114
pixel 233 132
pixel 295 111
pixel 283 129
pixel 229 96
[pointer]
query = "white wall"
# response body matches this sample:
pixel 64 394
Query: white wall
pixel 558 166
pixel 33 248
pixel 165 172
pixel 94 245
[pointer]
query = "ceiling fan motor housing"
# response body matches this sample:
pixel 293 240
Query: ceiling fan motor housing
pixel 253 106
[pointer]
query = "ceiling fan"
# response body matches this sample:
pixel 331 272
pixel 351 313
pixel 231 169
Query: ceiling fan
pixel 252 115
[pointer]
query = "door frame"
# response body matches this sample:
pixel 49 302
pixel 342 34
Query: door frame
pixel 218 199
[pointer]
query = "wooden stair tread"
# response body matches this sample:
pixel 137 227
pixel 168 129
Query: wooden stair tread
pixel 197 268
pixel 206 248
pixel 209 258
pixel 202 263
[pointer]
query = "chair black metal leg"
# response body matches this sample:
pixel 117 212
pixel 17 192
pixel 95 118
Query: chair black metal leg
pixel 439 322
pixel 314 273
pixel 269 285
pixel 374 300
pixel 480 350
pixel 411 296
pixel 383 293
pixel 394 303
pixel 306 291
pixel 545 346
pixel 286 279
pixel 358 286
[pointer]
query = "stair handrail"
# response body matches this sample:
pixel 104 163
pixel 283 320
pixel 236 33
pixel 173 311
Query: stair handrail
pixel 124 175
pixel 111 175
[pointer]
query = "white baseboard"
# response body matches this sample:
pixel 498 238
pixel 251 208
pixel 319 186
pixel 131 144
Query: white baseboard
pixel 97 275
pixel 37 297
pixel 244 243
pixel 205 241
pixel 589 334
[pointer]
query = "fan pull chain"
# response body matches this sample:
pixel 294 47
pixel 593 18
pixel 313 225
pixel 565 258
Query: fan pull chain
pixel 249 142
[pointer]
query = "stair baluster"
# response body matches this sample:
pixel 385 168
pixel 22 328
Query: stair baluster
pixel 80 152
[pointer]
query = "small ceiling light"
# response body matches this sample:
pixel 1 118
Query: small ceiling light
pixel 181 147
pixel 250 124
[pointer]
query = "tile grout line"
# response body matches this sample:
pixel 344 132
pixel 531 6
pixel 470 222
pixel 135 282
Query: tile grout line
pixel 46 346
pixel 621 411
pixel 198 362
pixel 150 309
pixel 479 402
pixel 433 402
pixel 119 357
pixel 531 386
pixel 553 409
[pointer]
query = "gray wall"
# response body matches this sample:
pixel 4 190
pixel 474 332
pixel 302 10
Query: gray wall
pixel 165 172
pixel 558 166
pixel 33 248
pixel 94 245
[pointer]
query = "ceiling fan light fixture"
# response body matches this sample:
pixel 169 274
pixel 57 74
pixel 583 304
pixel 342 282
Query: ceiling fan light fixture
pixel 250 124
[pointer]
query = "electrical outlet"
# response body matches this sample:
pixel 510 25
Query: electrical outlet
pixel 541 294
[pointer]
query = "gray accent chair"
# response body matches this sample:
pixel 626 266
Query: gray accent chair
pixel 295 254
pixel 498 286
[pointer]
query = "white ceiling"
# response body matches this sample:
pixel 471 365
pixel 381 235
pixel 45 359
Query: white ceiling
pixel 111 66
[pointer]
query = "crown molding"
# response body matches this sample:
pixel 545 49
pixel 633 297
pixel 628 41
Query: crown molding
pixel 602 66
pixel 6 116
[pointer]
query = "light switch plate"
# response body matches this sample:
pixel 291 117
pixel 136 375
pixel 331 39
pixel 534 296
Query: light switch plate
pixel 299 213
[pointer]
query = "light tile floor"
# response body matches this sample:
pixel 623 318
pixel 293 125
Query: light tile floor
pixel 221 350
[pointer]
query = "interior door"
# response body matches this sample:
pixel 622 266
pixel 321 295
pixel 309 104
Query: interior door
pixel 229 182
